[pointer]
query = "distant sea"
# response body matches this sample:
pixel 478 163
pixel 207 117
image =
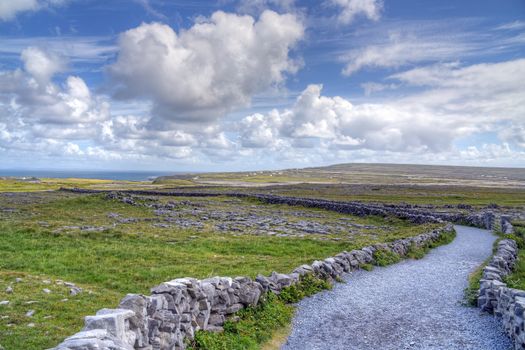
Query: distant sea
pixel 86 174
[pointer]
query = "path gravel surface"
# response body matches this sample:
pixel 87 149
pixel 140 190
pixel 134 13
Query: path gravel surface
pixel 415 304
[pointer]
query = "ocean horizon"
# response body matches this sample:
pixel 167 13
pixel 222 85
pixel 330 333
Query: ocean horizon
pixel 128 175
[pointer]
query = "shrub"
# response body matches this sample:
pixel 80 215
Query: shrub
pixel 385 257
pixel 308 285
pixel 255 326
pixel 366 267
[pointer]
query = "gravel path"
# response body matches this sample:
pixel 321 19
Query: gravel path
pixel 415 304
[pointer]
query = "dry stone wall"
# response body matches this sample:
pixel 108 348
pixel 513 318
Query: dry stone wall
pixel 461 214
pixel 498 299
pixel 176 309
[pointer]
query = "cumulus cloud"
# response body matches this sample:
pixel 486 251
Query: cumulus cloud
pixel 337 123
pixel 38 115
pixel 215 66
pixel 261 131
pixel 350 9
pixel 41 65
pixel 10 8
pixel 455 103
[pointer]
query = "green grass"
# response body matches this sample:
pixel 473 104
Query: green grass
pixel 413 194
pixel 132 258
pixel 54 318
pixel 257 325
pixel 308 285
pixel 385 257
pixel 366 267
pixel 471 292
pixel 517 278
pixel 51 184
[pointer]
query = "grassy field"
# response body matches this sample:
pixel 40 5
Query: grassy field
pixel 377 174
pixel 413 194
pixel 54 236
pixel 45 184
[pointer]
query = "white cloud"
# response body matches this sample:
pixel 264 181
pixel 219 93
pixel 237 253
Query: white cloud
pixel 201 73
pixel 41 65
pixel 336 122
pixel 72 149
pixel 516 25
pixel 403 49
pixel 9 9
pixel 372 87
pixel 31 95
pixel 398 44
pixel 483 93
pixel 75 49
pixel 456 103
pixel 350 9
pixel 260 131
pixel 38 116
pixel 258 6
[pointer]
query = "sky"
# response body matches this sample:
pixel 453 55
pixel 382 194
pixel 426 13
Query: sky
pixel 228 85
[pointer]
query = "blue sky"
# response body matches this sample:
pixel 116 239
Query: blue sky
pixel 260 84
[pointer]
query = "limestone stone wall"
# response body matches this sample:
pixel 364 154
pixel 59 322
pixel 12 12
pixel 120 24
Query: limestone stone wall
pixel 460 214
pixel 506 226
pixel 176 309
pixel 498 299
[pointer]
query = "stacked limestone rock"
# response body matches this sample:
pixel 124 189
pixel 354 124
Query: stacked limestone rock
pixel 496 298
pixel 506 226
pixel 177 309
pixel 412 213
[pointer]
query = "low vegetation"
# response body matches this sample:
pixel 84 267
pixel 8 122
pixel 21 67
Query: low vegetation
pixel 384 257
pixel 255 326
pixel 514 280
pixel 472 290
pixel 517 278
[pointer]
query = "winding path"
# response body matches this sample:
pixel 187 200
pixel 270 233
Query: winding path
pixel 415 304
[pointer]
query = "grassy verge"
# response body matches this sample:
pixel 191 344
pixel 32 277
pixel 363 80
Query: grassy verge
pixel 278 338
pixel 254 327
pixel 384 257
pixel 419 252
pixel 517 278
pixel 514 280
pixel 471 292
pixel 257 326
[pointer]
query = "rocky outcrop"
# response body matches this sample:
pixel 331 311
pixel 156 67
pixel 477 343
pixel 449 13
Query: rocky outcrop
pixel 176 309
pixel 498 299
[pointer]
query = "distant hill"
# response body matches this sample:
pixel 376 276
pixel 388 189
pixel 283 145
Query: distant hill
pixel 432 171
pixel 360 173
